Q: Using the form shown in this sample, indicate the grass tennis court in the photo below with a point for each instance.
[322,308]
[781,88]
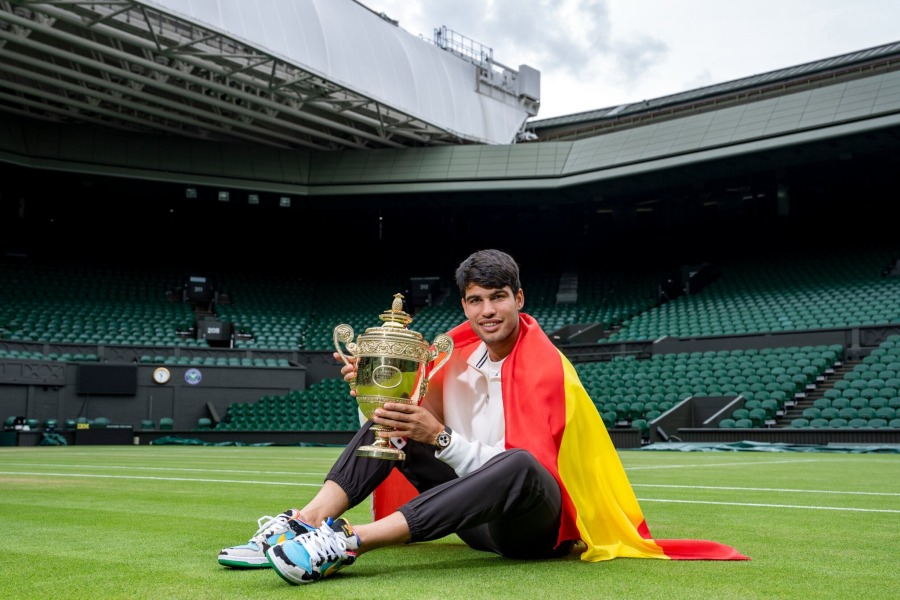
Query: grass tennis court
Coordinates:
[148,522]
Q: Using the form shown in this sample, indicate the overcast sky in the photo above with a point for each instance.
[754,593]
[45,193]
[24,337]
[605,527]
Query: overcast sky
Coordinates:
[600,53]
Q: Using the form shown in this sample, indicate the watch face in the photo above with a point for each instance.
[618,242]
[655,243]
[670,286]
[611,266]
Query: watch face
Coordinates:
[161,375]
[443,439]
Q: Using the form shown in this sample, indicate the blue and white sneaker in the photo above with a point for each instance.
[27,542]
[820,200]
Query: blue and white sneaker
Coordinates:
[272,530]
[317,554]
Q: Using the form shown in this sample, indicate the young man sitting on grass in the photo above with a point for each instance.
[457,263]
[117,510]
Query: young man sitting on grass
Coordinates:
[506,450]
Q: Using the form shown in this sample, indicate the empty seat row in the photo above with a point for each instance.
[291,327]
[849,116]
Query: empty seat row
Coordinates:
[839,422]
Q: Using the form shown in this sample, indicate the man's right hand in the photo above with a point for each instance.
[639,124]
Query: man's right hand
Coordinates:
[348,371]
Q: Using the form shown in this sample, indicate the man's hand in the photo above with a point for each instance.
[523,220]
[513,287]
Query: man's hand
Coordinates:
[348,371]
[409,421]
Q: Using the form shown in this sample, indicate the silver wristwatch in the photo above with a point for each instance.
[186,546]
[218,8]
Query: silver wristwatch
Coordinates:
[442,440]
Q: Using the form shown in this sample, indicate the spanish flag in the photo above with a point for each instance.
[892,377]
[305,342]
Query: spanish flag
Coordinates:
[549,413]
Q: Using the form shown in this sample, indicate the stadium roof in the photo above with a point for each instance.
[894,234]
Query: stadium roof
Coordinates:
[316,74]
[93,111]
[811,74]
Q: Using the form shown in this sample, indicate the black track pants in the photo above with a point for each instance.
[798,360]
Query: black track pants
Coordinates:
[510,506]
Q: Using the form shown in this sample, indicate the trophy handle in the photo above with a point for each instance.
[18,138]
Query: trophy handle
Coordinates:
[344,333]
[443,344]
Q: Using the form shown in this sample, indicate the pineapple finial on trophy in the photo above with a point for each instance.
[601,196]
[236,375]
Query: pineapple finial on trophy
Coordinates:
[396,316]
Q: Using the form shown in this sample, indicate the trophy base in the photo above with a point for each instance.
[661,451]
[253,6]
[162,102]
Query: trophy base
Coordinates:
[383,452]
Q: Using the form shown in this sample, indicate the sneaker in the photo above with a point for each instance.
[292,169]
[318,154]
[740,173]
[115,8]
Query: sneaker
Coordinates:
[272,530]
[317,554]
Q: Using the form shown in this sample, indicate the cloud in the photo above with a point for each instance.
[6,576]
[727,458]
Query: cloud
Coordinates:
[636,58]
[567,34]
[699,80]
[599,53]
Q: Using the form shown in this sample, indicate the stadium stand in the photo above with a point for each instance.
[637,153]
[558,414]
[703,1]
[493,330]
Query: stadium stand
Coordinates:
[629,391]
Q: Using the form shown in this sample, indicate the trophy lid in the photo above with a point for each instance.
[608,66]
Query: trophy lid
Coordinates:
[396,317]
[394,322]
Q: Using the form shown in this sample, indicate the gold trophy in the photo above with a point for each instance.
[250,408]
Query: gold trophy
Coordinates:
[391,364]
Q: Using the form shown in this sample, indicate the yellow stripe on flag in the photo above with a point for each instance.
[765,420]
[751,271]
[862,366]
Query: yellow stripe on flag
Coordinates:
[608,513]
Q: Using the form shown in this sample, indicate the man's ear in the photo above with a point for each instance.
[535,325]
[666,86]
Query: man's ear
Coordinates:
[520,299]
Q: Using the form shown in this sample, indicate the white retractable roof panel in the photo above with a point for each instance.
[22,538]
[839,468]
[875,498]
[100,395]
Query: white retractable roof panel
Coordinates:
[348,44]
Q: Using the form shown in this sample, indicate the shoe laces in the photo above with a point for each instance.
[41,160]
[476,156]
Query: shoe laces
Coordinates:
[323,544]
[267,525]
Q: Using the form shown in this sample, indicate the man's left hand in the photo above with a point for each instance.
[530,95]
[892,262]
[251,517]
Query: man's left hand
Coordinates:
[407,420]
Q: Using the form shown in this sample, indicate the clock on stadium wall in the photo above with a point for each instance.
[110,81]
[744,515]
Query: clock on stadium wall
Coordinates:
[161,375]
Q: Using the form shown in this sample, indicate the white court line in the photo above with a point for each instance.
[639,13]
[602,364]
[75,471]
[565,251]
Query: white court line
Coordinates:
[192,479]
[728,464]
[174,453]
[195,469]
[876,510]
[322,474]
[288,483]
[748,489]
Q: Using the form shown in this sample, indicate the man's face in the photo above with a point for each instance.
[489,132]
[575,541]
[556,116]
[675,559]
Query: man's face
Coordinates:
[494,315]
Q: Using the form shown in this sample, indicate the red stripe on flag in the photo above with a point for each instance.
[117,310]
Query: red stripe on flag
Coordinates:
[699,550]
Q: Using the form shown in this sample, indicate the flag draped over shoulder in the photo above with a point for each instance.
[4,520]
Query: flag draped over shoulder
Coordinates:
[549,413]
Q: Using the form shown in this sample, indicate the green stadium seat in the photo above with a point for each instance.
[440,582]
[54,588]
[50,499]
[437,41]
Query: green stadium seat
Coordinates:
[635,410]
[866,412]
[740,413]
[771,407]
[758,416]
[811,413]
[850,393]
[825,401]
[609,419]
[848,413]
[886,412]
[858,403]
[842,402]
[830,413]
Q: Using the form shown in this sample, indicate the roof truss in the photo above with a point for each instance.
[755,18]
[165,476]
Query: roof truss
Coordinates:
[125,65]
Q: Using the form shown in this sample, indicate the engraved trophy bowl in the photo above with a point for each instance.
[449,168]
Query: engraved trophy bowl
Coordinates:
[391,367]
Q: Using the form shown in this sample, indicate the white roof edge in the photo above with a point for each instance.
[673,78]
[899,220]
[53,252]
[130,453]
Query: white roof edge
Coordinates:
[349,44]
